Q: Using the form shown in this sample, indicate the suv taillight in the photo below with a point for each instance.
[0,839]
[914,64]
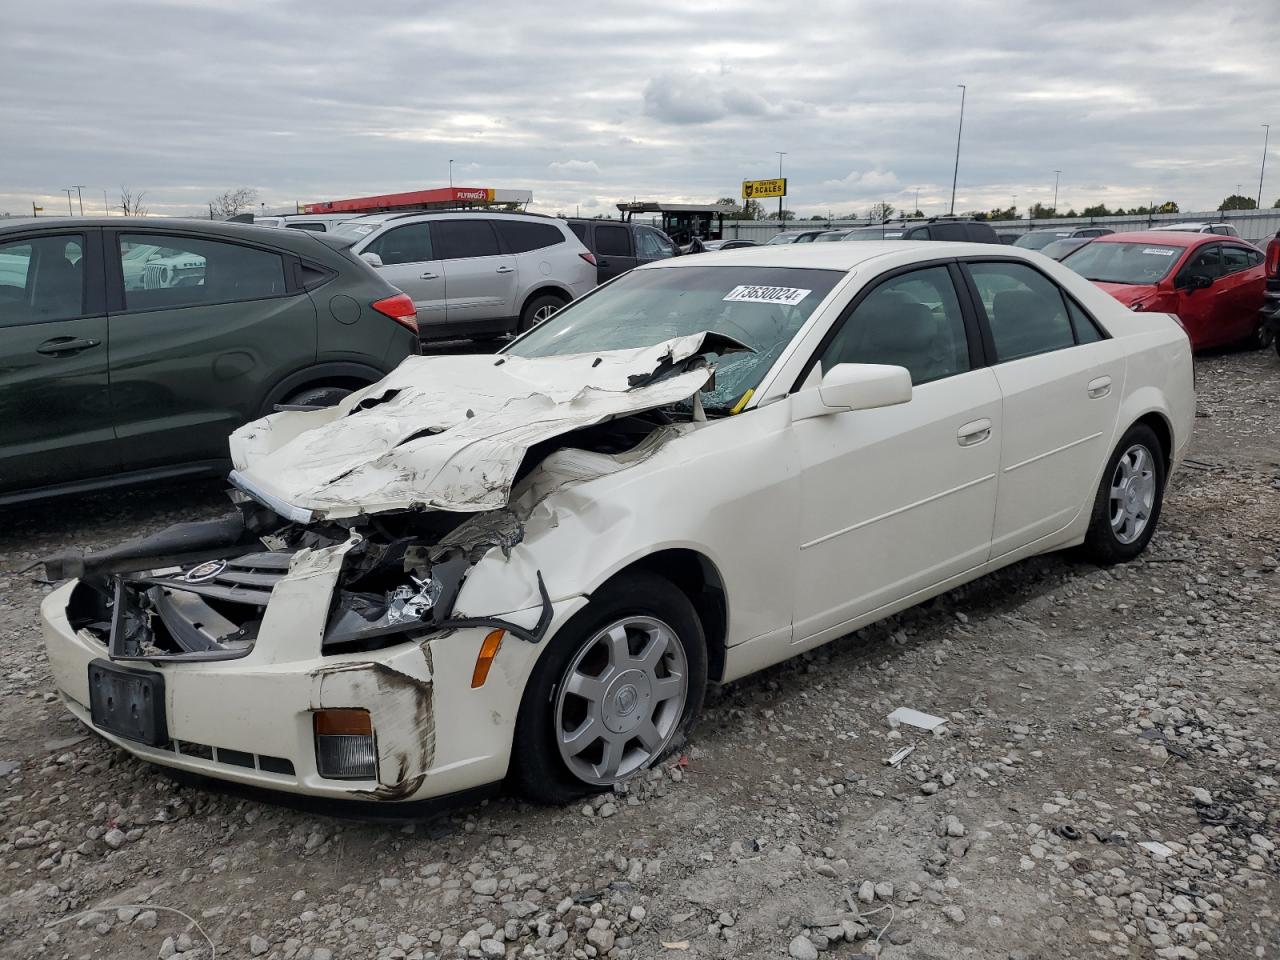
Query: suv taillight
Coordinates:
[399,308]
[589,257]
[1273,258]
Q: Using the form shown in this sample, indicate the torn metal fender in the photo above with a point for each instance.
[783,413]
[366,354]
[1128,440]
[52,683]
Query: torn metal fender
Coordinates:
[532,634]
[450,433]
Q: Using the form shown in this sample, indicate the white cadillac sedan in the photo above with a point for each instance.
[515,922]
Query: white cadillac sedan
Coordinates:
[527,567]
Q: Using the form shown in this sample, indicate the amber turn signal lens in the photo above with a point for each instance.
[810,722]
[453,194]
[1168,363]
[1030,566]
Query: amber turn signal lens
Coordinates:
[340,723]
[488,650]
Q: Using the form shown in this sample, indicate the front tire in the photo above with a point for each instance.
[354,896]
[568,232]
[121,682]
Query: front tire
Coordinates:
[1127,506]
[619,688]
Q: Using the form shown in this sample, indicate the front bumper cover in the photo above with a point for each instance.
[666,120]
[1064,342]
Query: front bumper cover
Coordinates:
[250,720]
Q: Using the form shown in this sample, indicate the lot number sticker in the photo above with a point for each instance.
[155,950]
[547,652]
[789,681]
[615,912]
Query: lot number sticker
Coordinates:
[788,296]
[1159,251]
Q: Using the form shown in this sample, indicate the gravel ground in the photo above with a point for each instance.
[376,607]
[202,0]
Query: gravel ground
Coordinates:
[1105,784]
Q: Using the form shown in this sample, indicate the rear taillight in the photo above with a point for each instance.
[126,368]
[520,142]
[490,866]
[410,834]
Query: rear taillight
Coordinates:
[399,308]
[589,257]
[1273,258]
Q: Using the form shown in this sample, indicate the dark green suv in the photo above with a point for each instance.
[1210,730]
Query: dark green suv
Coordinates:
[130,348]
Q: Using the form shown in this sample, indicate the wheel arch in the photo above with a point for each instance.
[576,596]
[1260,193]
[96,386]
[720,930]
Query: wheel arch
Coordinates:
[548,287]
[1163,430]
[697,577]
[340,373]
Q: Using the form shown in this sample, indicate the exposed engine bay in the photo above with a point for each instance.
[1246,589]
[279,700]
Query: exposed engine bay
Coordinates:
[199,591]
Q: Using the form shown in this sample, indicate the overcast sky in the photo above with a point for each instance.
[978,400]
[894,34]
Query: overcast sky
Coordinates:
[589,104]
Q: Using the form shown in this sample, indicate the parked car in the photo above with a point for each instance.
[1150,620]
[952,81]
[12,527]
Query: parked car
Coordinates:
[1039,239]
[795,236]
[1270,326]
[113,372]
[1007,238]
[528,568]
[736,244]
[622,245]
[1221,229]
[1214,285]
[832,236]
[972,231]
[475,274]
[315,222]
[1061,247]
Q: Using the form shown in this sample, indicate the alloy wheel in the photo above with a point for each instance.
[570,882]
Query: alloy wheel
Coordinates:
[621,700]
[1133,494]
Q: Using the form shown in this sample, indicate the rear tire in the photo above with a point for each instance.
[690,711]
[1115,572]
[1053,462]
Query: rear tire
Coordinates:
[596,709]
[318,396]
[1263,336]
[539,309]
[1127,506]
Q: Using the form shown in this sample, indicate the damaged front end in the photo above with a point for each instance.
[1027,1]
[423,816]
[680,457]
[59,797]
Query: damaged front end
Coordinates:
[200,591]
[411,478]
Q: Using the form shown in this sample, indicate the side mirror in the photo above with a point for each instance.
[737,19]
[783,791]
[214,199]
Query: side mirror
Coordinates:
[854,386]
[371,258]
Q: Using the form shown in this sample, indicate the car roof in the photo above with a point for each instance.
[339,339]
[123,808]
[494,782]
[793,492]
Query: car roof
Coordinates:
[1165,238]
[835,256]
[150,224]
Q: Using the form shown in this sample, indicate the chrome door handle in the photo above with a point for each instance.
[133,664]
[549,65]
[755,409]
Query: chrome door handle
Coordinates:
[429,276]
[973,432]
[1099,388]
[506,269]
[64,346]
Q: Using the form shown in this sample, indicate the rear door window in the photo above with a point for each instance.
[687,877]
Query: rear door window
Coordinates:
[1234,259]
[613,241]
[42,279]
[1025,310]
[408,244]
[464,239]
[521,237]
[188,272]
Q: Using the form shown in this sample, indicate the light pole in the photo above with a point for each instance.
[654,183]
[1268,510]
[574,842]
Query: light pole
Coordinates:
[1266,138]
[450,174]
[959,130]
[1056,174]
[77,187]
[67,191]
[916,208]
[781,154]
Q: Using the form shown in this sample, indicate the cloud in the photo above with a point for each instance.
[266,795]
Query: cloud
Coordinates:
[870,180]
[577,167]
[667,101]
[695,98]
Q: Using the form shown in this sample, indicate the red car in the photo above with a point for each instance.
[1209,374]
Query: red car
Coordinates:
[1213,284]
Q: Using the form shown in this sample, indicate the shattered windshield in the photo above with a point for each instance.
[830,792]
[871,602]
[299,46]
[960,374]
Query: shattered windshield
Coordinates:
[762,307]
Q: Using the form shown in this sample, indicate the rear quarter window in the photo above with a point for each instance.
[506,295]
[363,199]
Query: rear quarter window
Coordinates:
[521,237]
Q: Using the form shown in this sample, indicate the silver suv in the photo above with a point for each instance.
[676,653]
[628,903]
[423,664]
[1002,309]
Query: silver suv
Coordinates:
[475,274]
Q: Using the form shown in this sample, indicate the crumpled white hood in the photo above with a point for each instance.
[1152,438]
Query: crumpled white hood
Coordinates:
[449,433]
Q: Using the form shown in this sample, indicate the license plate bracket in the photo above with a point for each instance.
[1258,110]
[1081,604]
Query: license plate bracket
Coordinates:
[128,702]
